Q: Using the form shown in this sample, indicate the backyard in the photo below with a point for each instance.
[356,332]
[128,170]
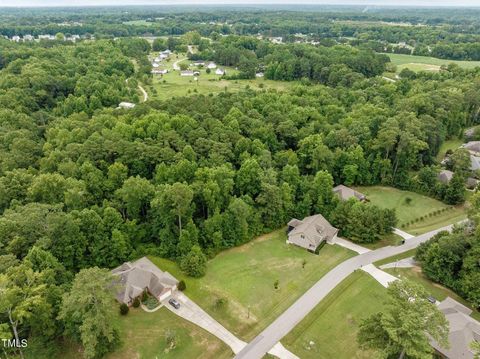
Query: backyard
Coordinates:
[238,289]
[330,330]
[416,213]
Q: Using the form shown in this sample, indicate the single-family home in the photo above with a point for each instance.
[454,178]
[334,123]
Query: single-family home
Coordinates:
[163,56]
[133,278]
[472,146]
[463,330]
[157,59]
[186,73]
[28,38]
[126,105]
[159,71]
[199,63]
[310,232]
[196,73]
[259,74]
[212,65]
[155,64]
[345,193]
[16,38]
[220,72]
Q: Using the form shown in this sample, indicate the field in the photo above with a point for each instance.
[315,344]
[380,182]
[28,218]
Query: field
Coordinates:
[424,63]
[173,85]
[419,206]
[332,326]
[143,335]
[388,240]
[245,277]
[437,290]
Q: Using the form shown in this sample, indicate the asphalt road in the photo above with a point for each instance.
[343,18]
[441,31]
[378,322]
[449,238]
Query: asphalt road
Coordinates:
[260,345]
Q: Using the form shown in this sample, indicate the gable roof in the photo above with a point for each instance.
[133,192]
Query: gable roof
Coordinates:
[134,278]
[445,176]
[463,330]
[472,146]
[346,193]
[311,231]
[474,162]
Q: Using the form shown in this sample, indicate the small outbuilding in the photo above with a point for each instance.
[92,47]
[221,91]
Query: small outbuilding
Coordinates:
[126,105]
[445,176]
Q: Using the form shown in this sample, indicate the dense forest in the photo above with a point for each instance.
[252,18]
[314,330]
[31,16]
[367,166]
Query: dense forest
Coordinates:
[84,183]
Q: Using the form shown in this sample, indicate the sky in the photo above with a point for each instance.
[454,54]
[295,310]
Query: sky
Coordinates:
[249,2]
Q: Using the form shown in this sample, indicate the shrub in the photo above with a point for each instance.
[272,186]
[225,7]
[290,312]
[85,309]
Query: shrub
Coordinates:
[181,285]
[276,284]
[144,296]
[136,303]
[220,303]
[124,309]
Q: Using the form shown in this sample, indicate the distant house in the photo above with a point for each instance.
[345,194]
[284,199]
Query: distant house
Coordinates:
[212,65]
[28,38]
[126,105]
[445,176]
[186,73]
[474,163]
[472,146]
[133,278]
[196,73]
[155,64]
[345,193]
[159,71]
[310,232]
[259,74]
[163,56]
[463,330]
[471,183]
[15,38]
[220,72]
[199,63]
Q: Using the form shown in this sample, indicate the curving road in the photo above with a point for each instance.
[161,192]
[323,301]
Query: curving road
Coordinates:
[257,348]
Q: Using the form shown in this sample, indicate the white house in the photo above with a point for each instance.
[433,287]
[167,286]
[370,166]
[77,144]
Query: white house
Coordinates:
[126,105]
[212,65]
[186,73]
[259,74]
[159,71]
[220,72]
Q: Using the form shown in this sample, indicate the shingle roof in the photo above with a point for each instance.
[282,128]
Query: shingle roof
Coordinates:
[473,146]
[445,176]
[346,193]
[134,278]
[463,330]
[311,231]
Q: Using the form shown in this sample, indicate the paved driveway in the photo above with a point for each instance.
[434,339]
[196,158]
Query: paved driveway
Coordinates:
[193,313]
[257,348]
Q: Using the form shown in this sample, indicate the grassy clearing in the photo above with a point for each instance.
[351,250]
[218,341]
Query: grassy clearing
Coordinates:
[391,239]
[440,292]
[452,144]
[332,326]
[143,335]
[397,257]
[424,63]
[420,206]
[245,276]
[172,84]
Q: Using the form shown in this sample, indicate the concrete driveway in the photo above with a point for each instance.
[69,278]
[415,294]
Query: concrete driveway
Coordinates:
[193,313]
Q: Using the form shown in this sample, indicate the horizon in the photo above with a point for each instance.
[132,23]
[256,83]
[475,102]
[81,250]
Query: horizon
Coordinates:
[226,3]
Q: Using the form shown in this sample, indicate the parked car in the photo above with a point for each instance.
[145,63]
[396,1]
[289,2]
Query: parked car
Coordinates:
[432,300]
[174,303]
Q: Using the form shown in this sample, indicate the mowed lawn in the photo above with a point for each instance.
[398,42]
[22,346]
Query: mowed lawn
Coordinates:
[452,144]
[244,276]
[419,206]
[330,330]
[172,84]
[440,292]
[425,63]
[144,336]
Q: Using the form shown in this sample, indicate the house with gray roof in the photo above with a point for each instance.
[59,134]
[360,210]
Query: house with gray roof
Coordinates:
[345,193]
[463,330]
[133,278]
[445,176]
[310,232]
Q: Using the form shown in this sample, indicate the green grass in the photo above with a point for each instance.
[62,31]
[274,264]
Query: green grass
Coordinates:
[424,63]
[143,335]
[391,239]
[176,85]
[245,276]
[334,322]
[452,144]
[420,206]
[437,290]
[397,257]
